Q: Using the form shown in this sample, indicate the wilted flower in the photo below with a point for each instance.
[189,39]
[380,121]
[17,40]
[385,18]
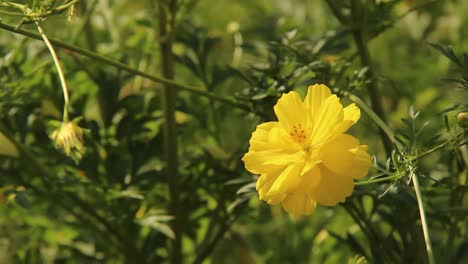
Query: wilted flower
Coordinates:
[69,138]
[305,157]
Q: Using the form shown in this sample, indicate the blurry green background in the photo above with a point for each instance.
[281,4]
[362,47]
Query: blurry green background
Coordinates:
[112,206]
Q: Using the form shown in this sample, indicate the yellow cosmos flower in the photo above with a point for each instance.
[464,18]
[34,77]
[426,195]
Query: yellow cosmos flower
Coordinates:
[305,158]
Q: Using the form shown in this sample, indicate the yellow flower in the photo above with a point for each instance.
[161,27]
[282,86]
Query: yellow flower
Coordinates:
[305,158]
[463,119]
[69,138]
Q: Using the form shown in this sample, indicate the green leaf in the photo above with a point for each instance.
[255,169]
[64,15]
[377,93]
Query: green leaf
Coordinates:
[153,164]
[156,222]
[132,193]
[447,52]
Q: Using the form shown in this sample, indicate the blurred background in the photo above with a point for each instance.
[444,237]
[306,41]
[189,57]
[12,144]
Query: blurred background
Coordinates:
[116,203]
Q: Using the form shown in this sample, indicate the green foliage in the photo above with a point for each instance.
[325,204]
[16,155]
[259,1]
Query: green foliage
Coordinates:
[115,202]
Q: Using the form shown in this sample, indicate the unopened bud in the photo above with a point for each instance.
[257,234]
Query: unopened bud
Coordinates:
[69,138]
[463,119]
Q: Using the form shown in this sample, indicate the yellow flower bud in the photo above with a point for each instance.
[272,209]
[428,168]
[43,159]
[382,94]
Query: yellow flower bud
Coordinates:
[69,138]
[463,119]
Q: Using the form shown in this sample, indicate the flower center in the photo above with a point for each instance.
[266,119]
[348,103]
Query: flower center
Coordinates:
[298,133]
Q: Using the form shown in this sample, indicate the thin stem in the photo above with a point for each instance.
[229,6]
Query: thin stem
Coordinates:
[388,178]
[440,146]
[359,20]
[375,117]
[122,66]
[59,70]
[423,218]
[14,5]
[166,23]
[11,13]
[65,6]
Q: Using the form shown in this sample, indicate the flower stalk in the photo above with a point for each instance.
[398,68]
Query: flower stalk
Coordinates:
[383,179]
[422,215]
[59,70]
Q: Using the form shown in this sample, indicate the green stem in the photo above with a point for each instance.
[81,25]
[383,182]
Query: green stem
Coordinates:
[114,63]
[375,117]
[359,19]
[15,5]
[440,146]
[388,178]
[59,70]
[166,23]
[65,6]
[11,13]
[423,218]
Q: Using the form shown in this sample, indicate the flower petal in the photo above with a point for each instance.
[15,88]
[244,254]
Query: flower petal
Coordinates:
[298,204]
[300,201]
[333,188]
[269,148]
[290,110]
[288,180]
[361,163]
[329,117]
[336,154]
[316,95]
[309,180]
[263,186]
[351,115]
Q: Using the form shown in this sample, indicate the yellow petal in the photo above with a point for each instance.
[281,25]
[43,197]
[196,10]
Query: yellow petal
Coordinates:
[269,148]
[290,110]
[361,163]
[316,95]
[351,115]
[259,162]
[328,118]
[289,179]
[261,138]
[300,201]
[336,154]
[263,186]
[281,159]
[309,180]
[254,162]
[298,204]
[333,188]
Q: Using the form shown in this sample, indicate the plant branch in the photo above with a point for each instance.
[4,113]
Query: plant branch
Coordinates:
[11,13]
[422,215]
[388,178]
[440,146]
[360,35]
[125,67]
[65,6]
[169,96]
[374,116]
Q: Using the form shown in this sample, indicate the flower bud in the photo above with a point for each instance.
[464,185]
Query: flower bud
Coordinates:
[463,119]
[69,138]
